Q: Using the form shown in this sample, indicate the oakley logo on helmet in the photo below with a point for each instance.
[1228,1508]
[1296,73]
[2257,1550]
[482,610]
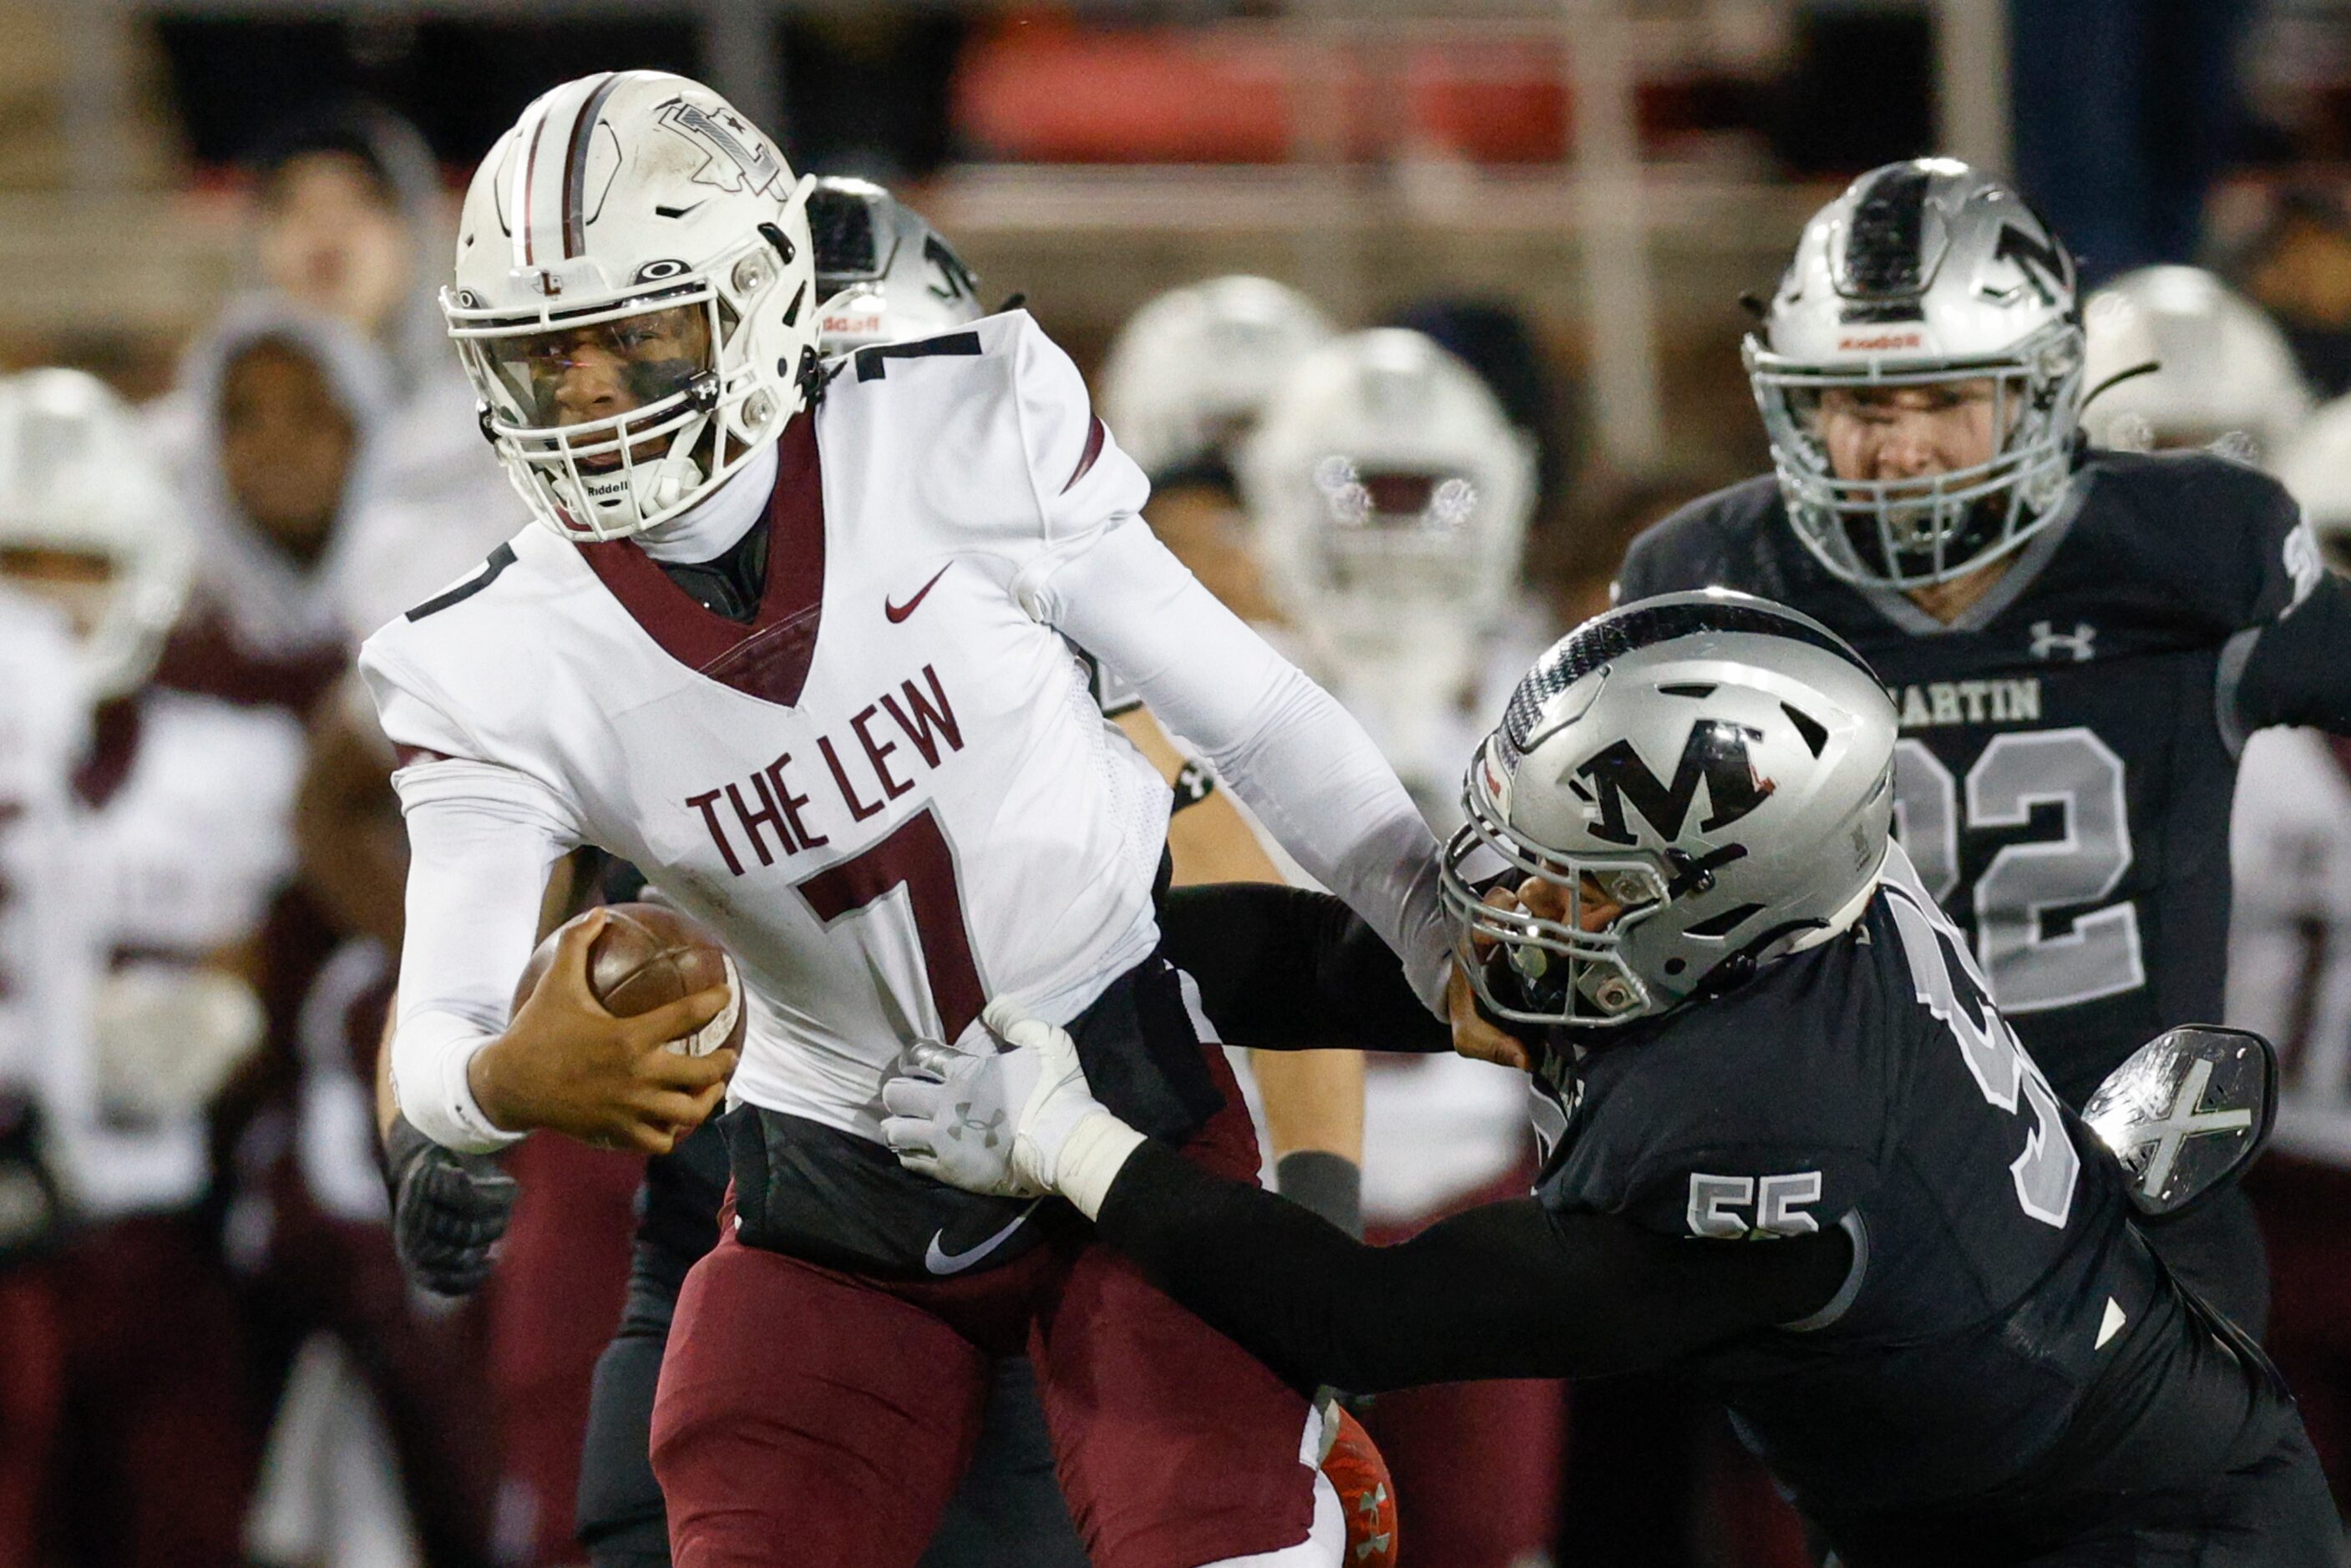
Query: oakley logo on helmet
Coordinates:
[1715,753]
[2045,264]
[654,271]
[750,163]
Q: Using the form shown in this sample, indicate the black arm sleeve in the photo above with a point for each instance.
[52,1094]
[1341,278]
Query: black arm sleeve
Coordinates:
[2297,669]
[1509,1289]
[1287,970]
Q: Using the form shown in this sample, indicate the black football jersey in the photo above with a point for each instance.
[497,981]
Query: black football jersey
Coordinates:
[2067,759]
[1866,1083]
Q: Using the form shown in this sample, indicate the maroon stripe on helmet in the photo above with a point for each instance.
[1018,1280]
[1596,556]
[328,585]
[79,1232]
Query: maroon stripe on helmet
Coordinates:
[1094,435]
[575,166]
[530,177]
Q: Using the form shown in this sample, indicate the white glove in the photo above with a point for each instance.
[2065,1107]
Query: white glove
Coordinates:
[169,1036]
[1018,1123]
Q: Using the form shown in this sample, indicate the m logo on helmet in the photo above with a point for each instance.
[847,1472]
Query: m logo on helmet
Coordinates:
[1716,755]
[2045,266]
[738,157]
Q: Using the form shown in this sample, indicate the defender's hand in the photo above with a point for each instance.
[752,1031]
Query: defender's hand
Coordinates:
[1473,1036]
[566,1062]
[991,1124]
[448,1210]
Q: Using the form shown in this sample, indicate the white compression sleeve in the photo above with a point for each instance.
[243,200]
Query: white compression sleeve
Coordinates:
[478,871]
[1304,764]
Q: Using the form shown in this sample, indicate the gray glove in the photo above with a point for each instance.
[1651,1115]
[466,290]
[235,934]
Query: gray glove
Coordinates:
[448,1210]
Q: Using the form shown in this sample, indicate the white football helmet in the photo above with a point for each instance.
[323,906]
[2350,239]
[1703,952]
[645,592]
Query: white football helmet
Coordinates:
[1390,496]
[1924,273]
[884,275]
[1189,372]
[88,519]
[1594,783]
[2316,467]
[635,298]
[2225,374]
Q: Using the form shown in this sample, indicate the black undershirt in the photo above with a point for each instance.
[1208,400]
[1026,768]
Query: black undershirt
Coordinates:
[1507,1290]
[729,584]
[2295,672]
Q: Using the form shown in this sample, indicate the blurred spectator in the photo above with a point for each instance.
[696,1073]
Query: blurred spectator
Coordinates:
[274,434]
[2298,268]
[2125,110]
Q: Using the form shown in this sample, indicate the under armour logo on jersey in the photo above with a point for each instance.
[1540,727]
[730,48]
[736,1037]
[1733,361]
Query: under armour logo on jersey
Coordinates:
[1716,752]
[2048,641]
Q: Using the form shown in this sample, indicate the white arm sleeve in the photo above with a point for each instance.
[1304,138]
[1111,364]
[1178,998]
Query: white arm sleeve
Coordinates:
[1300,760]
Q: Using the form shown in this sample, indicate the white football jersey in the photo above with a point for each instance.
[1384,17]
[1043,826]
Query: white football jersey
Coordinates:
[2290,928]
[892,793]
[186,834]
[49,950]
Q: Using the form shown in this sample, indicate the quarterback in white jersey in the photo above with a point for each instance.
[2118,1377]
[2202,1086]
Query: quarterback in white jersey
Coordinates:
[797,640]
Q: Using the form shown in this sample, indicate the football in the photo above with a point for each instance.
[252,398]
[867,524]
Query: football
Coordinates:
[647,956]
[1358,1473]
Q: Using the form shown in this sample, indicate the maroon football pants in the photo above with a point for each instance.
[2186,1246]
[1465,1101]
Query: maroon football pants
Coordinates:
[810,1415]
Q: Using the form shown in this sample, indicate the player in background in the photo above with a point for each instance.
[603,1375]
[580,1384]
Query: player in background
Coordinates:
[2078,641]
[2290,977]
[1188,375]
[182,806]
[47,960]
[1389,498]
[2185,361]
[928,521]
[1793,1148]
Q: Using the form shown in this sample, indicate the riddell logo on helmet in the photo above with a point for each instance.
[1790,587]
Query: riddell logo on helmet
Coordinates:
[1877,343]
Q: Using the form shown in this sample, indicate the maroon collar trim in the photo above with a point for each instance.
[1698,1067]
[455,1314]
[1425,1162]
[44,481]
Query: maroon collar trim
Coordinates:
[769,659]
[115,729]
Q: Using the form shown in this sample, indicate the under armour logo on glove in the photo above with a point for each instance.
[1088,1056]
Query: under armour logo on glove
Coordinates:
[987,1127]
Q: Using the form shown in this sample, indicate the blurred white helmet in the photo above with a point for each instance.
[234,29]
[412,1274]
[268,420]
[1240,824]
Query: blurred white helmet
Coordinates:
[2316,467]
[2226,374]
[88,520]
[1929,275]
[632,221]
[1391,496]
[884,274]
[1189,372]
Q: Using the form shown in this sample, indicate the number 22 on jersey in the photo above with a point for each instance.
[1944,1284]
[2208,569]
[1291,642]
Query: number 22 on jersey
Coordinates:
[1948,987]
[2099,954]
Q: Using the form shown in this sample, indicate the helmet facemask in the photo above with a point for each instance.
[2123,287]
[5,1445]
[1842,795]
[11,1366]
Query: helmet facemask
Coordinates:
[1552,971]
[679,354]
[1908,533]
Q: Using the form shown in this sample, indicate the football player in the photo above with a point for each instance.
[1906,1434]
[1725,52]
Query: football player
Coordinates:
[2077,641]
[1389,497]
[47,958]
[795,638]
[1793,1148]
[184,805]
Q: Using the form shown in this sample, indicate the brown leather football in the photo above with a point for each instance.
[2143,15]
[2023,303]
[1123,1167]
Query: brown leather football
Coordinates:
[647,956]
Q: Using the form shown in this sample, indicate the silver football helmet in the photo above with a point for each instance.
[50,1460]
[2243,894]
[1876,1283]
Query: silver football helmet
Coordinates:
[1189,372]
[2224,376]
[88,518]
[1391,496]
[635,299]
[1923,275]
[884,274]
[1593,783]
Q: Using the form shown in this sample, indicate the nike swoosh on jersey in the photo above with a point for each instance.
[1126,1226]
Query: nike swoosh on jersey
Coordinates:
[939,1261]
[900,612]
